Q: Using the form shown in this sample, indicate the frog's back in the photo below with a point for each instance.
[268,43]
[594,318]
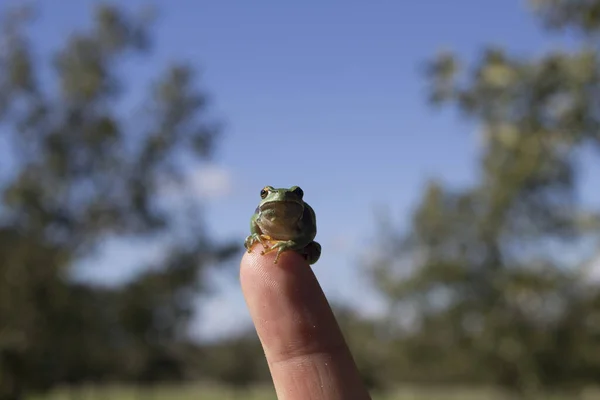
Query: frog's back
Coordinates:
[309,219]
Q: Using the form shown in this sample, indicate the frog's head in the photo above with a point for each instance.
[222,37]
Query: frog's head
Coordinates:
[285,205]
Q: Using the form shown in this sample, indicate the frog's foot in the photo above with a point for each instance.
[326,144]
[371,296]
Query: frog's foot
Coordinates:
[265,238]
[253,239]
[312,252]
[280,247]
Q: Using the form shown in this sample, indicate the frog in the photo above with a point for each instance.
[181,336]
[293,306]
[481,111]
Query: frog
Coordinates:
[283,221]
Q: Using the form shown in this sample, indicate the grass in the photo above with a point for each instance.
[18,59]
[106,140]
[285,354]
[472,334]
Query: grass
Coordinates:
[209,392]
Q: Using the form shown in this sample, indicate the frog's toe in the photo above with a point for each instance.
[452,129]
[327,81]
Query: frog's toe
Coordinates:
[264,240]
[252,240]
[285,246]
[269,249]
[248,244]
[280,247]
[266,237]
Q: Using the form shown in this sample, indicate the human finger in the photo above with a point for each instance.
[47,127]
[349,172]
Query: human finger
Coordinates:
[307,354]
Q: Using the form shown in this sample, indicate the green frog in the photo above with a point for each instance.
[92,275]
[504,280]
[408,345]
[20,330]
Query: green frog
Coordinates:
[284,221]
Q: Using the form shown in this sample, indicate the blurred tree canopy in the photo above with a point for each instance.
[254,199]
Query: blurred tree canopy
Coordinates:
[79,167]
[481,269]
[479,288]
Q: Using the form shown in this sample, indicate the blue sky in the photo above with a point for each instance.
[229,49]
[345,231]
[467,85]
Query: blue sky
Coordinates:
[326,95]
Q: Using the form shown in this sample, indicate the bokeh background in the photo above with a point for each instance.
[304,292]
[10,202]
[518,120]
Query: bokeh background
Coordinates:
[450,150]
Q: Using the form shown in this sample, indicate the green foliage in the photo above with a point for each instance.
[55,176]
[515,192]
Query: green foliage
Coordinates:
[81,164]
[84,169]
[210,392]
[478,290]
[237,362]
[481,268]
[368,346]
[580,15]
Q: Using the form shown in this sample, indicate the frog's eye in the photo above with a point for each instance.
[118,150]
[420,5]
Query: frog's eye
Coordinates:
[263,193]
[297,191]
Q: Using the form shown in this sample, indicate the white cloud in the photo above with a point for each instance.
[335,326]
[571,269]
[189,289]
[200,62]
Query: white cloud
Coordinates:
[593,271]
[210,182]
[207,182]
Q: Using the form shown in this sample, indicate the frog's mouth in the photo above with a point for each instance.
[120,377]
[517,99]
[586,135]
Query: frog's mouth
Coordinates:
[282,211]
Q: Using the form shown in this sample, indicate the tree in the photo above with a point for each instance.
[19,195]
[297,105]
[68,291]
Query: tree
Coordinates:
[238,362]
[79,166]
[482,266]
[368,345]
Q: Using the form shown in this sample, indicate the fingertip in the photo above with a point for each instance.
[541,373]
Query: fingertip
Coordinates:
[305,349]
[255,258]
[258,271]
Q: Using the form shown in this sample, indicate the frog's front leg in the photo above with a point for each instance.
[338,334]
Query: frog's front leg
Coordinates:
[311,252]
[280,246]
[252,239]
[255,236]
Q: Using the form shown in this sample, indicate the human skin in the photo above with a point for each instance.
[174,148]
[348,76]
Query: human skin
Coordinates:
[306,352]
